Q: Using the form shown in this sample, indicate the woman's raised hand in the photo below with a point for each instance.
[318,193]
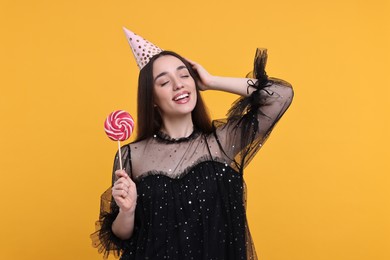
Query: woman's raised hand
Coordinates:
[124,192]
[206,78]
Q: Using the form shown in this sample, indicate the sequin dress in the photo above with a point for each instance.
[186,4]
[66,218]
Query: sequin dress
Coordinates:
[191,191]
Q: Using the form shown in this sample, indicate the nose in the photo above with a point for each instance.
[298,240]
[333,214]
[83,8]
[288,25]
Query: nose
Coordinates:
[177,84]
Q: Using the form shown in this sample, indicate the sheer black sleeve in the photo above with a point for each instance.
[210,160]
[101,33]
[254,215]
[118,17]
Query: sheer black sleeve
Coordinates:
[103,238]
[251,119]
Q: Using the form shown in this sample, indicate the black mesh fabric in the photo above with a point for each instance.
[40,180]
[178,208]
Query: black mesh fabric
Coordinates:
[191,191]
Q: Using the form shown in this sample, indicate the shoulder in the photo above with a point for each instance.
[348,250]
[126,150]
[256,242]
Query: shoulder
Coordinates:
[139,147]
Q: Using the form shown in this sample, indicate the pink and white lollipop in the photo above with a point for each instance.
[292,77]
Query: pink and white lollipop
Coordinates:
[119,126]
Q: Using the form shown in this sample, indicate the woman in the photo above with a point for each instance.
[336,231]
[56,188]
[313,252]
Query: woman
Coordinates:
[181,194]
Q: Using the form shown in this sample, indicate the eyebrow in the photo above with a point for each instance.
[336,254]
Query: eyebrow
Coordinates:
[164,73]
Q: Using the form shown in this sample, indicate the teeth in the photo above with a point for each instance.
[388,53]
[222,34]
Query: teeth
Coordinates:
[181,96]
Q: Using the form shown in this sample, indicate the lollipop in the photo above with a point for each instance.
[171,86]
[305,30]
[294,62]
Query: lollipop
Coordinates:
[119,126]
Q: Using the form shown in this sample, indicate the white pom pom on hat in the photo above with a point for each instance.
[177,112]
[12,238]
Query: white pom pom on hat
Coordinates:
[143,50]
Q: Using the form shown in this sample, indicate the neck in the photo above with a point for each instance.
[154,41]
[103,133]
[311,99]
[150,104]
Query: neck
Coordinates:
[178,127]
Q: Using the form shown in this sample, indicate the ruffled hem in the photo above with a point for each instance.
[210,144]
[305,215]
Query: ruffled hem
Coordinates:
[245,113]
[246,107]
[103,238]
[163,137]
[245,110]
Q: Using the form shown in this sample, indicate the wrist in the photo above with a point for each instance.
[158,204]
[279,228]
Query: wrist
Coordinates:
[127,212]
[212,84]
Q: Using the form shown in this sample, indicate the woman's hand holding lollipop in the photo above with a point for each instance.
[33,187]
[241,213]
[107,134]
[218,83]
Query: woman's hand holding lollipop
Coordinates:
[124,192]
[119,126]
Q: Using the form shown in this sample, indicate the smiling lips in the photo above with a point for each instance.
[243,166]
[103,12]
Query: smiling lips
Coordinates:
[182,97]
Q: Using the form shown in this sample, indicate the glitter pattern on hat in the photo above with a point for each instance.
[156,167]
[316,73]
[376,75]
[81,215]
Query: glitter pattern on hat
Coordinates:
[143,50]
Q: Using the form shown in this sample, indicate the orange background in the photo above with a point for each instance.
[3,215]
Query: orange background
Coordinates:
[319,189]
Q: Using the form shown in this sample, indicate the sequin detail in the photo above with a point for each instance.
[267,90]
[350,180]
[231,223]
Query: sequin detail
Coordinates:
[191,192]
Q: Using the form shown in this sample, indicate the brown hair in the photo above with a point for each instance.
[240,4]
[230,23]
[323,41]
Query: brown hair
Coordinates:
[149,119]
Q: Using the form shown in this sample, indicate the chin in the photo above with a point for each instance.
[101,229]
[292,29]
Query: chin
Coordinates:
[186,111]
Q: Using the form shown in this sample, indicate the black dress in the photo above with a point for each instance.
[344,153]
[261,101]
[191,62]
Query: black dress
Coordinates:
[191,192]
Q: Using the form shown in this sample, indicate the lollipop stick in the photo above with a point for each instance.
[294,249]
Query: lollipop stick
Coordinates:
[120,154]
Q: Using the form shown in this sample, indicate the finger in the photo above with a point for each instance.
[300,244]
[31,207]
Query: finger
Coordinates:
[118,184]
[119,193]
[192,63]
[120,173]
[131,183]
[123,179]
[124,193]
[121,186]
[119,201]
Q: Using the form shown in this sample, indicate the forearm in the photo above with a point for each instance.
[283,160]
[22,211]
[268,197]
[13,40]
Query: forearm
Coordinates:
[244,87]
[239,86]
[123,225]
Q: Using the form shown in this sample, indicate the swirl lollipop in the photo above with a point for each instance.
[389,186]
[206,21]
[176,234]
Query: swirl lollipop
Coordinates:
[119,126]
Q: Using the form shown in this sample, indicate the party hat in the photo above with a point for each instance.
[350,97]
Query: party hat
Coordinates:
[143,50]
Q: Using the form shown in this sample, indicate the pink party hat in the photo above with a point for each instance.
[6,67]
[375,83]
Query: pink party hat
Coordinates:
[143,50]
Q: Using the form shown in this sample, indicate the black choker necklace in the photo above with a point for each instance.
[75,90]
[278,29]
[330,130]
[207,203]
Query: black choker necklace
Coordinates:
[163,136]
